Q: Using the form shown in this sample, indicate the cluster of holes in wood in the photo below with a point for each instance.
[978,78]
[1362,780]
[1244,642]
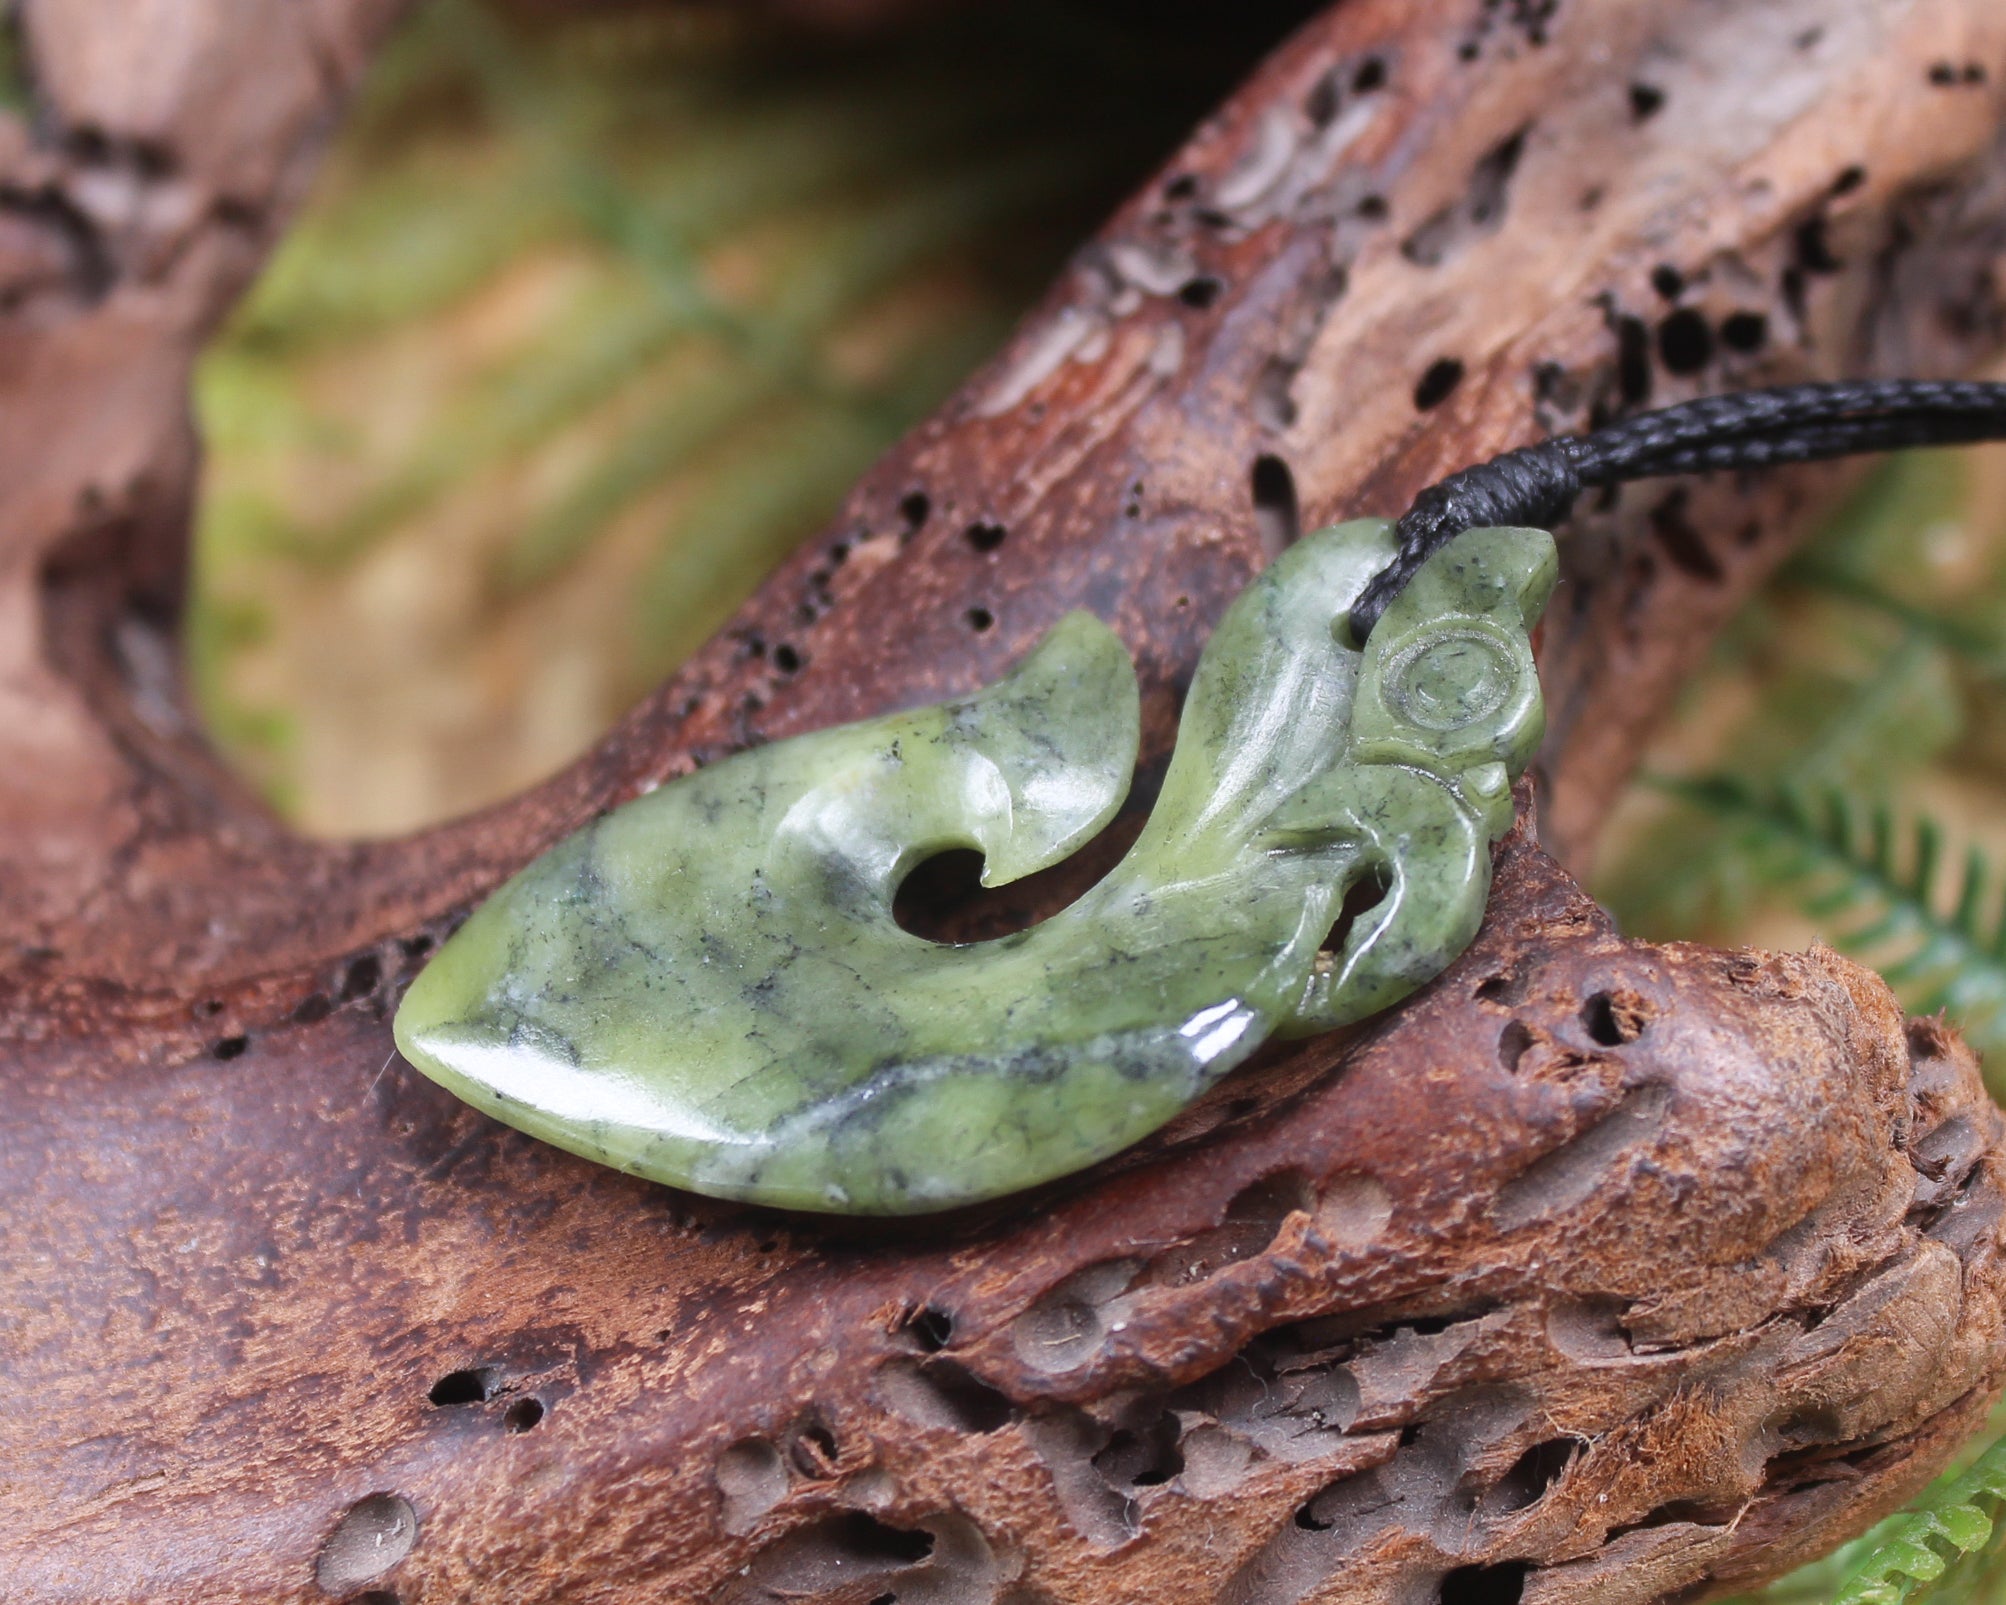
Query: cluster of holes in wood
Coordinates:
[1517,22]
[1294,1392]
[1957,75]
[1285,1393]
[370,980]
[1687,340]
[983,537]
[1184,194]
[788,657]
[486,1384]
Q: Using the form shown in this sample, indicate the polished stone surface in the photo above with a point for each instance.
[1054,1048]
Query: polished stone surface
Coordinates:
[707,986]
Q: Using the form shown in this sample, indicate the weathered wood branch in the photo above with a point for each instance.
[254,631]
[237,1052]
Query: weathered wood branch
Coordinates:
[1601,1271]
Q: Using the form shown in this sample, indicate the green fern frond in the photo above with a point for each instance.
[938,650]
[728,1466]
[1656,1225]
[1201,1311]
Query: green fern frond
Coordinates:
[1898,707]
[1867,559]
[1875,881]
[1853,714]
[1875,533]
[1932,1549]
[1978,644]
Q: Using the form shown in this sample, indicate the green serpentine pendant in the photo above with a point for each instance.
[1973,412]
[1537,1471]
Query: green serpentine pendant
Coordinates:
[707,987]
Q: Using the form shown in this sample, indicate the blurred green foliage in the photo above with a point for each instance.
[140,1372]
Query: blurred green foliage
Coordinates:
[597,313]
[1875,884]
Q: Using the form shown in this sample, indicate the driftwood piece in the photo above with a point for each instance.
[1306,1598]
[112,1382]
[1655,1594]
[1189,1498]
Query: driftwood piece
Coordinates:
[1600,1271]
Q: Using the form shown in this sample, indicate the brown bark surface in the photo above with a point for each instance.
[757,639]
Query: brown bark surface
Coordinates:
[1598,1272]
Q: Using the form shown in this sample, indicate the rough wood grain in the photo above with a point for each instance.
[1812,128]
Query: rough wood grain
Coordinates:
[1600,1272]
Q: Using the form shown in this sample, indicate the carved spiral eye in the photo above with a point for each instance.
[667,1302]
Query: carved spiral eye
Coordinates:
[1452,681]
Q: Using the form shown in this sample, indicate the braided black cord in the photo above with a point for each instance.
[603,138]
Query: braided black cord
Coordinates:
[1538,485]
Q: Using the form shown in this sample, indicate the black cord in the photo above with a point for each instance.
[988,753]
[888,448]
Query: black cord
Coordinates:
[1538,485]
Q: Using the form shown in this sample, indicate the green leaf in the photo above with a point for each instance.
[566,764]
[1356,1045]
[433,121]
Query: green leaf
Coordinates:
[1939,1548]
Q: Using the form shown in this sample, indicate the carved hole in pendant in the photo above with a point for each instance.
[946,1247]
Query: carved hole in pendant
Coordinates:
[942,898]
[1513,1043]
[522,1416]
[979,619]
[1361,897]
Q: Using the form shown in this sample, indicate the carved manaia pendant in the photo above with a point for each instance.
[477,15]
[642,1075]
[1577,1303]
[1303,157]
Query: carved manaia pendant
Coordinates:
[707,986]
